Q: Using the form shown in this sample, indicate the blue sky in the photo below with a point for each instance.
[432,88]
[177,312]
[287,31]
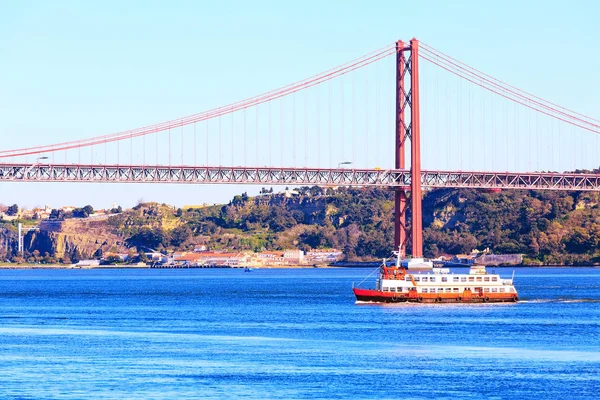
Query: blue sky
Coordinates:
[72,69]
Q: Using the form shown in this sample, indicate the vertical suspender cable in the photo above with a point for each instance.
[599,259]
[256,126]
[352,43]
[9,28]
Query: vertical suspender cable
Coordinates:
[305,129]
[516,166]
[353,118]
[256,134]
[342,117]
[329,130]
[377,112]
[493,111]
[367,116]
[281,131]
[537,135]
[437,119]
[459,125]
[530,137]
[447,135]
[294,130]
[483,129]
[270,137]
[318,127]
[207,163]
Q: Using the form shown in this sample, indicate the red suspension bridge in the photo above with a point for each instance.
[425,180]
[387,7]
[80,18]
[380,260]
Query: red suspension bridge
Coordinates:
[334,129]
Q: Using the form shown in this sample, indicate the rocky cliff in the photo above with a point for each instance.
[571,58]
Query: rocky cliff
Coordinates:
[81,237]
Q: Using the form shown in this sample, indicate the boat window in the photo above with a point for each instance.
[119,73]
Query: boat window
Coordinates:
[444,279]
[512,290]
[463,279]
[448,290]
[478,279]
[455,289]
[385,289]
[471,279]
[494,279]
[424,279]
[424,290]
[455,279]
[407,278]
[487,290]
[501,290]
[399,289]
[417,279]
[486,279]
[392,289]
[432,290]
[494,290]
[432,279]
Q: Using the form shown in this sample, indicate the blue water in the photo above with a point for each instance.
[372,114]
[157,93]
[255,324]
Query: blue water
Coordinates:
[290,334]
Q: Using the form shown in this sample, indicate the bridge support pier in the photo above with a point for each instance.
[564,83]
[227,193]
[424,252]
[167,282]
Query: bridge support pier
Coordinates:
[408,130]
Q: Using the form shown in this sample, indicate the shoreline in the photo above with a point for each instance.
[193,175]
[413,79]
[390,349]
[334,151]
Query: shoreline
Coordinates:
[60,266]
[325,266]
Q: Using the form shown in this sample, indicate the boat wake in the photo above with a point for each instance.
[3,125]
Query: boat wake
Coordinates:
[538,301]
[560,301]
[579,300]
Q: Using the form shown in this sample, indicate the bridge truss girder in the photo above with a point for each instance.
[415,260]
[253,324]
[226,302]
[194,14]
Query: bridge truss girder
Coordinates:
[393,178]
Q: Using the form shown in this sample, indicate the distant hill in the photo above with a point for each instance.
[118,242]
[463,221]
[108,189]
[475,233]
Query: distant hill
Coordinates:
[546,227]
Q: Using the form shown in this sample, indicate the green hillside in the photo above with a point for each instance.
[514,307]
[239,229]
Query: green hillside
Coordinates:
[547,227]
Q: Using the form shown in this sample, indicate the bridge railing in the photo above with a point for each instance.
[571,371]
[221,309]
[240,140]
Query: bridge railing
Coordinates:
[296,176]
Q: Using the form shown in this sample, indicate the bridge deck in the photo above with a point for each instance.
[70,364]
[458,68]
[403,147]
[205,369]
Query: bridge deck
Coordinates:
[294,176]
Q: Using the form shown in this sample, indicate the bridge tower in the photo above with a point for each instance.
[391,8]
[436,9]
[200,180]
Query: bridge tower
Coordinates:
[407,105]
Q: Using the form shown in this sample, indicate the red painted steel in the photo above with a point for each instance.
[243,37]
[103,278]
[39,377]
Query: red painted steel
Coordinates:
[415,142]
[19,172]
[403,131]
[400,231]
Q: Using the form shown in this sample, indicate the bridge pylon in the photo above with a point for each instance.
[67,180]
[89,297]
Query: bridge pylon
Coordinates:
[407,105]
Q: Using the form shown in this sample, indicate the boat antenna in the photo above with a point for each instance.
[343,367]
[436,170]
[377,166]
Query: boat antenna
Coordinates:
[367,277]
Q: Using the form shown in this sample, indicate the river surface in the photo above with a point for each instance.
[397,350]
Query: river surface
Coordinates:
[290,334]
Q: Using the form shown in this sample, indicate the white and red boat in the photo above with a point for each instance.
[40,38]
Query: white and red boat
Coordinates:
[416,280]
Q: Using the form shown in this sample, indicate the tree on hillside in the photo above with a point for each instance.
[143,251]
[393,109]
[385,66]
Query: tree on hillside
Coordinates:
[316,191]
[149,238]
[142,256]
[83,212]
[180,235]
[57,215]
[113,259]
[12,210]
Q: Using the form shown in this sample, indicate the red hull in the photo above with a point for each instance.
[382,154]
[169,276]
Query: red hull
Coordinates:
[377,296]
